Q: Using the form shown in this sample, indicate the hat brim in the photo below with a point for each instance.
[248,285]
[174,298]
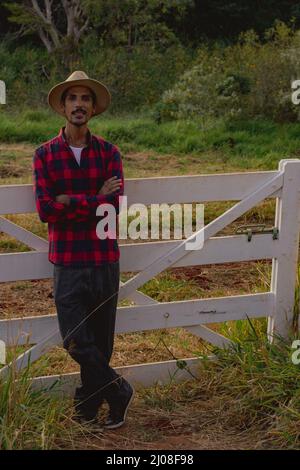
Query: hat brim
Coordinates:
[103,97]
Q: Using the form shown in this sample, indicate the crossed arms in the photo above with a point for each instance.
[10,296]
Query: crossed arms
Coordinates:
[54,208]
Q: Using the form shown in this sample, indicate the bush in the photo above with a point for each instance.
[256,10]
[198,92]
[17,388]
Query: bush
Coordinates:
[136,78]
[250,78]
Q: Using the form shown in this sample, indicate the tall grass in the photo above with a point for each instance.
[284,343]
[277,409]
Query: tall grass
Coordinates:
[258,381]
[261,385]
[32,419]
[253,143]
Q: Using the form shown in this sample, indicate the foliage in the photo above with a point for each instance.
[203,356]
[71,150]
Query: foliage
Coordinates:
[250,78]
[207,89]
[30,419]
[134,22]
[134,82]
[59,24]
[260,382]
[201,19]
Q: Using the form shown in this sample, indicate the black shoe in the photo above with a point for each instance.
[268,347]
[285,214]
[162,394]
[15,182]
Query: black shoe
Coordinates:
[91,424]
[119,406]
[87,405]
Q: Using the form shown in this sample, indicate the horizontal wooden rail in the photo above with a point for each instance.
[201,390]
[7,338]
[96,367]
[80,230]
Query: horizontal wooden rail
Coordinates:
[145,375]
[31,330]
[137,256]
[19,199]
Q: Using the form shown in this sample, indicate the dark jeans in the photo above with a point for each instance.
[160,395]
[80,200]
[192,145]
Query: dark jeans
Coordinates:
[89,339]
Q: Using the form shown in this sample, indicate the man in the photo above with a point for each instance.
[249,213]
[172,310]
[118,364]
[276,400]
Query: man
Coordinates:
[74,173]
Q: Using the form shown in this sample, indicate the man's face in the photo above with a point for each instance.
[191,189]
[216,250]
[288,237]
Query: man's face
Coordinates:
[78,106]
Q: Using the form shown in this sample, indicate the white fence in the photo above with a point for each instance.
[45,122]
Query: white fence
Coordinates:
[150,259]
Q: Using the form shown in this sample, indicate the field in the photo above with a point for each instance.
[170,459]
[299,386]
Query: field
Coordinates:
[248,398]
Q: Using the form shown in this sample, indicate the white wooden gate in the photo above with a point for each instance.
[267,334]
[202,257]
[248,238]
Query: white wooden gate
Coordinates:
[150,259]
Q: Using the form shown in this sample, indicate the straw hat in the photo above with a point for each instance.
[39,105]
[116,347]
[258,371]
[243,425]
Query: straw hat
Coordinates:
[79,78]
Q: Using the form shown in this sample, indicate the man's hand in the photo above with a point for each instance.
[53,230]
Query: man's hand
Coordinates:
[63,198]
[110,186]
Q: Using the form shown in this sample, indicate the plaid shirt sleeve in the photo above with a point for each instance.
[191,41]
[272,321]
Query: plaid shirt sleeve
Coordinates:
[87,205]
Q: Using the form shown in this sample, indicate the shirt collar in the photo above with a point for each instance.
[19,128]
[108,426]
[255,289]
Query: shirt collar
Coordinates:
[62,135]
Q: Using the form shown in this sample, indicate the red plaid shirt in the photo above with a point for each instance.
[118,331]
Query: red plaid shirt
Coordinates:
[72,229]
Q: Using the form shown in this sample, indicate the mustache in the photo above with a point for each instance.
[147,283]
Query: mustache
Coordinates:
[79,110]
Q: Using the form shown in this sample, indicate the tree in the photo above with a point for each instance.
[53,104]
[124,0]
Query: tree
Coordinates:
[132,22]
[60,24]
[225,20]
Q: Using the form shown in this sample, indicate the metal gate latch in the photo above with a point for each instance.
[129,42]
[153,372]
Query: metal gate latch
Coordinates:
[249,230]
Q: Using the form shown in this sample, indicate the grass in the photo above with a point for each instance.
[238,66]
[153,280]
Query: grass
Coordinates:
[29,420]
[244,144]
[260,384]
[248,397]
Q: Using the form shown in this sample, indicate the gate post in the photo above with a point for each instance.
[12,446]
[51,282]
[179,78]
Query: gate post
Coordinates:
[284,267]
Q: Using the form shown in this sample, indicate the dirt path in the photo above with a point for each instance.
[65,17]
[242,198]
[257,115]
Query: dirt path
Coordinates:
[201,424]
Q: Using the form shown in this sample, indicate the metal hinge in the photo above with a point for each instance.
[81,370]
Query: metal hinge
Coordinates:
[249,230]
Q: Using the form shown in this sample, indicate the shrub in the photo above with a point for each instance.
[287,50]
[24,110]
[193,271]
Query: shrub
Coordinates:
[250,78]
[136,78]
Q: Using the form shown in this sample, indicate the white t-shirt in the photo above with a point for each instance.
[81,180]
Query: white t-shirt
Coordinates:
[77,153]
